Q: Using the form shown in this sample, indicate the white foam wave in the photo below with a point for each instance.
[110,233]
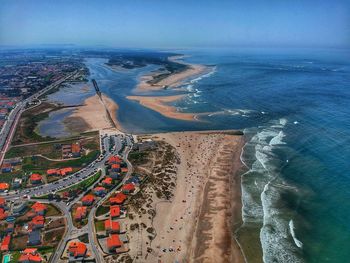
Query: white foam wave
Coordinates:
[297,242]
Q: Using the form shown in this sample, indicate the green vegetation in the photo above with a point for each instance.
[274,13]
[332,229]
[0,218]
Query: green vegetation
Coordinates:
[84,238]
[52,210]
[100,226]
[138,158]
[83,184]
[15,255]
[101,210]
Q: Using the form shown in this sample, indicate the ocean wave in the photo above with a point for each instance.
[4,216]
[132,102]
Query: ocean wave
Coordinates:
[297,242]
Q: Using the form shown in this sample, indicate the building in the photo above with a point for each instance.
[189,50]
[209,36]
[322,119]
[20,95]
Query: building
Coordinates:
[115,175]
[19,207]
[4,187]
[114,211]
[59,172]
[118,199]
[107,182]
[39,208]
[5,244]
[113,242]
[88,200]
[30,255]
[112,227]
[115,167]
[128,188]
[36,179]
[6,168]
[115,159]
[37,222]
[2,202]
[13,161]
[34,238]
[100,191]
[77,249]
[3,214]
[17,183]
[76,150]
[80,213]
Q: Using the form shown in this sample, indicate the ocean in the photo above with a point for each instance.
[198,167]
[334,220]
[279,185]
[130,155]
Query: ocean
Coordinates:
[293,106]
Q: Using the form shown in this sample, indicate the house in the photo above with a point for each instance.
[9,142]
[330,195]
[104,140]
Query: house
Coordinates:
[36,179]
[6,168]
[76,150]
[77,249]
[4,187]
[65,171]
[114,211]
[100,191]
[87,200]
[39,208]
[113,242]
[112,227]
[115,175]
[5,244]
[2,202]
[34,238]
[38,222]
[80,213]
[115,167]
[52,172]
[17,183]
[10,227]
[118,199]
[19,207]
[124,169]
[13,161]
[3,214]
[108,181]
[114,160]
[128,188]
[30,255]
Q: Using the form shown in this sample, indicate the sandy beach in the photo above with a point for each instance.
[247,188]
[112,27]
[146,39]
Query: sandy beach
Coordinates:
[161,105]
[173,80]
[93,114]
[199,222]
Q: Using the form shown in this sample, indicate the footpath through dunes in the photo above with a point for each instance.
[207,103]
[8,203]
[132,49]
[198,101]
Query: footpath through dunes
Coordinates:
[200,220]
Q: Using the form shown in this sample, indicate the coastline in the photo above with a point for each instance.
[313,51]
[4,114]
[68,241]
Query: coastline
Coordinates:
[93,115]
[161,105]
[205,212]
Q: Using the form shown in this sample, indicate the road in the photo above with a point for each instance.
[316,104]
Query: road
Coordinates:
[9,127]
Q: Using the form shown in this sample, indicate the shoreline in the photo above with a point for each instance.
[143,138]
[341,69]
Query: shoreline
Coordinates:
[94,114]
[206,211]
[161,105]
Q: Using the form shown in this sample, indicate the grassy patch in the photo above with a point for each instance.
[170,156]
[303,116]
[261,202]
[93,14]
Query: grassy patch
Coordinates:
[83,184]
[101,210]
[52,210]
[100,226]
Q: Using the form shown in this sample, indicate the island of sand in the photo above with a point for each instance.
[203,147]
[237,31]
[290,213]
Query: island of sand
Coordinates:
[190,206]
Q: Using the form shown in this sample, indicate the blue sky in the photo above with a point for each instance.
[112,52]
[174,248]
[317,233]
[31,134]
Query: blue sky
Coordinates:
[166,23]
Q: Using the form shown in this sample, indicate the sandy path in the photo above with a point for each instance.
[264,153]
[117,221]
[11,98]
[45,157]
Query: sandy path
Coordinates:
[94,113]
[198,223]
[160,104]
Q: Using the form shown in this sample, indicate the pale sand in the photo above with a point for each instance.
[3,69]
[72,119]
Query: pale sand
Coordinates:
[173,80]
[160,104]
[206,209]
[95,115]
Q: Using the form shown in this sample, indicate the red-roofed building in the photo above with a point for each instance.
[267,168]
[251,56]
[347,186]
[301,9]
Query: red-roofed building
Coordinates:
[2,202]
[76,149]
[124,170]
[4,187]
[52,172]
[6,168]
[118,199]
[114,159]
[30,255]
[39,208]
[112,227]
[38,222]
[77,249]
[88,200]
[3,214]
[65,171]
[108,181]
[35,179]
[113,242]
[5,244]
[80,213]
[128,188]
[114,211]
[100,191]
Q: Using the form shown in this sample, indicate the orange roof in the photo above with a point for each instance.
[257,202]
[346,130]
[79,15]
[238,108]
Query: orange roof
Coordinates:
[30,251]
[128,187]
[113,241]
[77,249]
[116,166]
[114,211]
[80,212]
[39,207]
[88,199]
[52,171]
[38,220]
[66,170]
[114,159]
[30,258]
[4,186]
[75,148]
[112,225]
[124,170]
[118,199]
[99,188]
[107,180]
[35,177]
[3,214]
[2,201]
[5,243]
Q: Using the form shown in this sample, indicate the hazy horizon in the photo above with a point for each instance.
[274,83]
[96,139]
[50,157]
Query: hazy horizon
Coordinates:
[159,24]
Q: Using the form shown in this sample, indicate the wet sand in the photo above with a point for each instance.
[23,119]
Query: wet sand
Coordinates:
[199,223]
[93,115]
[161,104]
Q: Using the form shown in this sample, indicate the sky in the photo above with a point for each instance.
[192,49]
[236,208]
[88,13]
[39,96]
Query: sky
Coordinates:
[176,23]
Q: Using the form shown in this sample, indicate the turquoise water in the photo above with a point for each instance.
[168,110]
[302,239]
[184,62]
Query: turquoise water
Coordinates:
[293,106]
[7,258]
